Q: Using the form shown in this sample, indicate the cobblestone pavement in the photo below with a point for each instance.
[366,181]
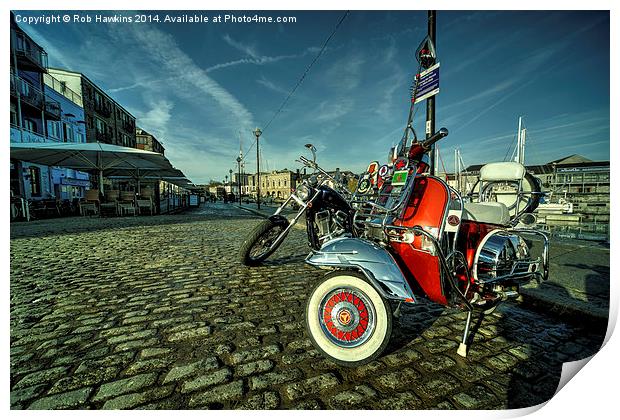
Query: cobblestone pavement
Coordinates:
[156,313]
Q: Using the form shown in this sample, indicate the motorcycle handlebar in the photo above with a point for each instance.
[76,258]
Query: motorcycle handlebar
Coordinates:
[443,132]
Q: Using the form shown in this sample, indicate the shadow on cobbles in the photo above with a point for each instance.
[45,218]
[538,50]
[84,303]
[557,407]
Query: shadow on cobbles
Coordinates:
[534,363]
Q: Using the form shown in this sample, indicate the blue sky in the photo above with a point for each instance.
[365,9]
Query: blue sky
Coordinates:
[200,87]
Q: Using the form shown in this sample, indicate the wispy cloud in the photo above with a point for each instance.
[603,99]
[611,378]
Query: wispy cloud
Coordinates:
[248,50]
[272,86]
[163,49]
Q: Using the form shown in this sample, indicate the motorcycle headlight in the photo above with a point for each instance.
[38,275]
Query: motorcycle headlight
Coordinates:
[303,192]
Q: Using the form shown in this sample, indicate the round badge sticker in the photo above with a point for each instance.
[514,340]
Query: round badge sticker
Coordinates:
[384,171]
[363,186]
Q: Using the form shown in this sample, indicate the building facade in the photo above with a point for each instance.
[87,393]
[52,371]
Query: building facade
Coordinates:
[106,120]
[146,141]
[40,114]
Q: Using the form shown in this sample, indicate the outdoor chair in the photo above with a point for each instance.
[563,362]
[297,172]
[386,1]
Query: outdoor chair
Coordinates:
[111,204]
[90,203]
[144,204]
[126,203]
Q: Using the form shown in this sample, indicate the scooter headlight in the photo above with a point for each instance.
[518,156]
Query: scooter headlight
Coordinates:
[303,192]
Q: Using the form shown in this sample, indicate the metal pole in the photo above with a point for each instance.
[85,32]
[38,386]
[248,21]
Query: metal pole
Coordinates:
[239,179]
[257,133]
[430,102]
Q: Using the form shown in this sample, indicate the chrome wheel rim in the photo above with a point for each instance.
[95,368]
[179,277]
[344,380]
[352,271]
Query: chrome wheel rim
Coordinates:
[265,242]
[347,317]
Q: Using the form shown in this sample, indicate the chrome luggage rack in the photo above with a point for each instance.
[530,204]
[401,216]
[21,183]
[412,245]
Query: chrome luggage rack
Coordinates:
[376,212]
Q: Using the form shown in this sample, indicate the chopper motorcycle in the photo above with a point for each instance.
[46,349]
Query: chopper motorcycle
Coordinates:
[416,235]
[323,200]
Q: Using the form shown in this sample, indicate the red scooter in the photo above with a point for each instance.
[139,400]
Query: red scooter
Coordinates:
[412,231]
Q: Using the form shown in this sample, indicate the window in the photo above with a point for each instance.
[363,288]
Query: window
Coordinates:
[13,115]
[68,132]
[35,181]
[53,129]
[30,125]
[100,125]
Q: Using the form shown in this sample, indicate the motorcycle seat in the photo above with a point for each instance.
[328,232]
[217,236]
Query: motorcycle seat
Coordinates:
[487,212]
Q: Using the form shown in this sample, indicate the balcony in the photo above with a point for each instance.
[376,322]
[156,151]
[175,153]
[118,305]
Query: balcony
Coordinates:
[129,126]
[103,110]
[29,55]
[25,136]
[52,109]
[34,97]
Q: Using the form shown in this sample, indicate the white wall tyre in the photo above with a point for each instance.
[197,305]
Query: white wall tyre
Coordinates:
[347,320]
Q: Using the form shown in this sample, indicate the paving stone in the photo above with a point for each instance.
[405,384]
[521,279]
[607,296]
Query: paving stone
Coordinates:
[266,401]
[254,368]
[133,400]
[42,376]
[72,399]
[80,380]
[401,401]
[435,387]
[400,379]
[401,358]
[184,371]
[190,334]
[154,352]
[437,363]
[275,378]
[249,355]
[353,398]
[205,381]
[147,365]
[22,395]
[222,393]
[311,386]
[123,386]
[476,398]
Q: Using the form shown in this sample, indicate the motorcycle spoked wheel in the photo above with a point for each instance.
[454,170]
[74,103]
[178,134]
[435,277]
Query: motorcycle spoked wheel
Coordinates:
[261,242]
[347,320]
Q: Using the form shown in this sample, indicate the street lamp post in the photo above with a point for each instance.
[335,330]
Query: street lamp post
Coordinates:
[239,179]
[230,171]
[257,133]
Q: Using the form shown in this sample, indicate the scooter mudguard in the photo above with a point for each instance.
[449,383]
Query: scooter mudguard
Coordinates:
[373,261]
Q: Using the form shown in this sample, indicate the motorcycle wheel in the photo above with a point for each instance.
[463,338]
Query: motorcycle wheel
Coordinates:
[347,320]
[261,242]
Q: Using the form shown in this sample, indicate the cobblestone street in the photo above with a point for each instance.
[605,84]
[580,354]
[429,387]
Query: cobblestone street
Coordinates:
[156,313]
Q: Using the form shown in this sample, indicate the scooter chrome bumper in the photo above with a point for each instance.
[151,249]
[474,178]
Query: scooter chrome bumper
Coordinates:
[373,261]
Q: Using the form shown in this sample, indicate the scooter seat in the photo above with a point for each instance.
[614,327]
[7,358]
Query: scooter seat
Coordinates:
[488,212]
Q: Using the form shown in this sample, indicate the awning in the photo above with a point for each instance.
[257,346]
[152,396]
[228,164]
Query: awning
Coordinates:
[105,159]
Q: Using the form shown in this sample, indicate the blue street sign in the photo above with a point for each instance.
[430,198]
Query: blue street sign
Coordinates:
[428,83]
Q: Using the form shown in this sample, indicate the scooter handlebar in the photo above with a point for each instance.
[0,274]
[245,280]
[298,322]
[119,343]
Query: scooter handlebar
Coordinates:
[443,132]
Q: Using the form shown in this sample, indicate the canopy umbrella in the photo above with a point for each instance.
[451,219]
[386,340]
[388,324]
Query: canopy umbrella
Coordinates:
[96,157]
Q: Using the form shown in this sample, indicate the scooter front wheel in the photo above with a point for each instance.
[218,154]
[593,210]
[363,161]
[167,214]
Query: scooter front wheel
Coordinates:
[347,320]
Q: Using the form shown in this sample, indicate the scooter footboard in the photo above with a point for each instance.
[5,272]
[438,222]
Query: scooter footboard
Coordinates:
[373,261]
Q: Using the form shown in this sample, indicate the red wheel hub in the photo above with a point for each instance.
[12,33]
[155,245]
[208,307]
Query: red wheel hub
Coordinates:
[346,317]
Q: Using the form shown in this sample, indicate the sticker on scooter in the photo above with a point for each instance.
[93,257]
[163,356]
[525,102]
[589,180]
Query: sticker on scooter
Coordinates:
[373,167]
[384,172]
[400,164]
[400,177]
[364,186]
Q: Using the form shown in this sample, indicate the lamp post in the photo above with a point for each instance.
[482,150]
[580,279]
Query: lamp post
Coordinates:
[230,171]
[239,179]
[257,133]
